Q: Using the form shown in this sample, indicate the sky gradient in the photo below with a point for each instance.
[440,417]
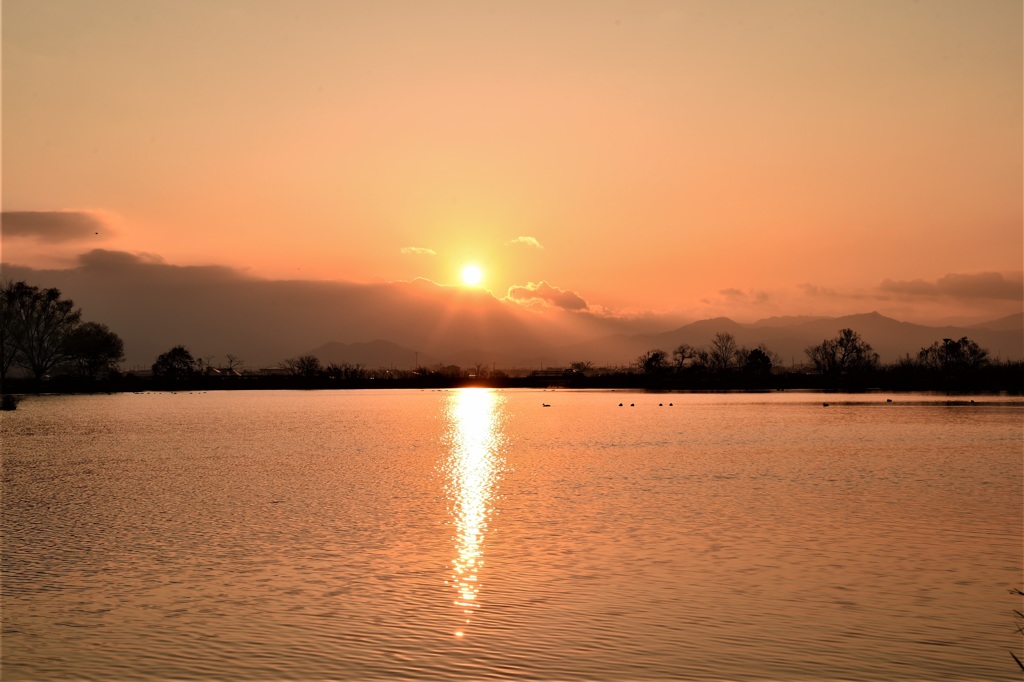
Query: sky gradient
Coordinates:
[696,159]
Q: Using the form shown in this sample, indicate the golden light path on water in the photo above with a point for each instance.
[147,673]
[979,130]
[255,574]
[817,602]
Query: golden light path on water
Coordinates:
[474,438]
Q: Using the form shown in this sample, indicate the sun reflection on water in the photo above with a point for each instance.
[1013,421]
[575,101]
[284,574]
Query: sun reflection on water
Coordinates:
[474,439]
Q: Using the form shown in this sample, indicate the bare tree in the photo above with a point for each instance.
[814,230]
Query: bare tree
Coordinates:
[844,354]
[701,359]
[306,366]
[723,352]
[681,354]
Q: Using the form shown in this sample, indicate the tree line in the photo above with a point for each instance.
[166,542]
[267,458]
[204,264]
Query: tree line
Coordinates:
[843,361]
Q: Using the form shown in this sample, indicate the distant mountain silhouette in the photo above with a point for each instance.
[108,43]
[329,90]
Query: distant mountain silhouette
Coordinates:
[215,311]
[372,354]
[787,320]
[788,337]
[1010,323]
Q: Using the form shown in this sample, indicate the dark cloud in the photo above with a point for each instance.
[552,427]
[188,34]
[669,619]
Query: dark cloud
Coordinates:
[52,226]
[215,310]
[106,259]
[991,285]
[562,298]
[154,305]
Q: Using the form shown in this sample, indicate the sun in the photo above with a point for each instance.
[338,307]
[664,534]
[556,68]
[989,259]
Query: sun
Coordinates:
[472,275]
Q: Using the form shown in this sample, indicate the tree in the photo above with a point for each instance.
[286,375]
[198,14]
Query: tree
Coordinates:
[235,363]
[345,371]
[93,350]
[35,322]
[581,366]
[175,365]
[758,362]
[722,354]
[9,295]
[954,356]
[844,354]
[306,366]
[681,354]
[700,359]
[653,361]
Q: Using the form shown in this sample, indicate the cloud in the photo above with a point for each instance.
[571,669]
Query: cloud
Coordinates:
[418,250]
[545,293]
[528,241]
[815,290]
[53,226]
[991,285]
[153,304]
[105,259]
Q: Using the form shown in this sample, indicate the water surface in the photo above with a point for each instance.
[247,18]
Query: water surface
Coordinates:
[476,534]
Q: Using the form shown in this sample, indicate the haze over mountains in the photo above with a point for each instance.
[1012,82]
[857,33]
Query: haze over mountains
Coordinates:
[215,311]
[786,336]
[789,337]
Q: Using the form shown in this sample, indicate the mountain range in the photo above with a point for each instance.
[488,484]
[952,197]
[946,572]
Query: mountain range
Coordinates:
[788,337]
[215,311]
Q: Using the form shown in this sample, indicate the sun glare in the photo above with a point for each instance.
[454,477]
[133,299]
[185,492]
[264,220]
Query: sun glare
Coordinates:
[472,275]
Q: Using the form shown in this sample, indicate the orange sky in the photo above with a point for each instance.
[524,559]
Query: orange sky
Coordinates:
[705,158]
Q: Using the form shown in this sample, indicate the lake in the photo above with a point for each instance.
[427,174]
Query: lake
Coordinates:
[476,534]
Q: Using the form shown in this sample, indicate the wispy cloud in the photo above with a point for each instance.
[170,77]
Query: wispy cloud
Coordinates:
[991,285]
[547,294]
[818,291]
[527,240]
[53,226]
[418,251]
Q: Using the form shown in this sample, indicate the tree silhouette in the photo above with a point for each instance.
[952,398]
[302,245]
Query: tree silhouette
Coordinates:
[34,324]
[653,361]
[10,294]
[345,371]
[758,362]
[844,354]
[93,350]
[175,365]
[723,352]
[681,354]
[306,366]
[953,356]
